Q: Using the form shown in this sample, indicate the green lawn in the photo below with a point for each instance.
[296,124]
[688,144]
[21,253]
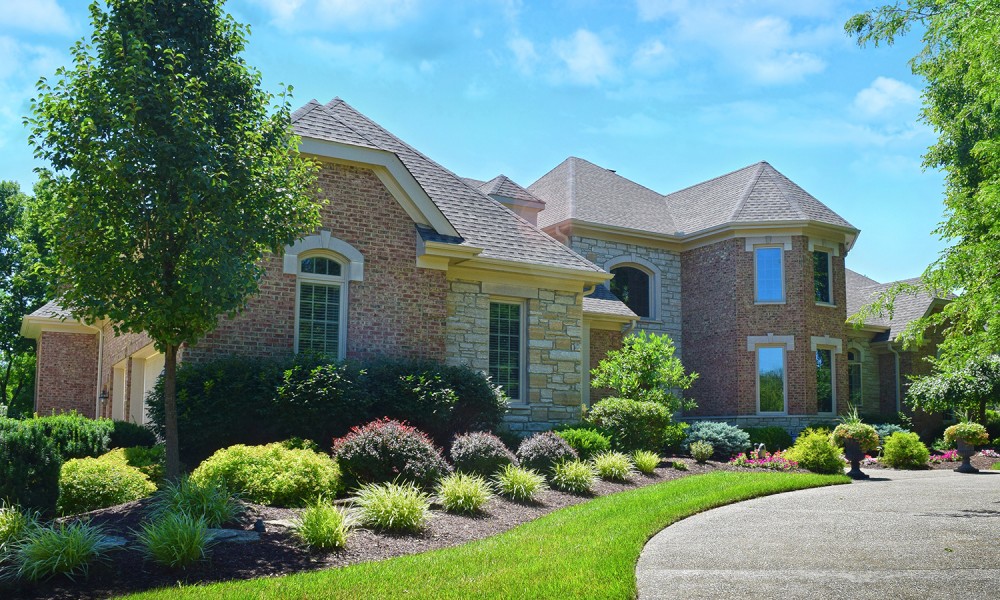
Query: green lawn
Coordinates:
[587,550]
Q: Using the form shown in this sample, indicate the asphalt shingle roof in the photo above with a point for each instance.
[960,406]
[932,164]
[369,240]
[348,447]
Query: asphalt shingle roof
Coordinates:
[578,189]
[603,302]
[501,185]
[480,220]
[908,306]
[51,310]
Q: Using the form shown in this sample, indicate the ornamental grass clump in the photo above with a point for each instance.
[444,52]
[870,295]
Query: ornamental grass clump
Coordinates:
[175,540]
[519,484]
[62,549]
[212,502]
[852,429]
[774,462]
[573,476]
[646,461]
[543,451]
[481,453]
[324,526]
[464,493]
[701,451]
[614,466]
[400,507]
[972,434]
[904,451]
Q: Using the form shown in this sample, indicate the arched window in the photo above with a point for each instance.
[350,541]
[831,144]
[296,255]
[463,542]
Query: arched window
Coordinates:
[632,286]
[321,308]
[854,376]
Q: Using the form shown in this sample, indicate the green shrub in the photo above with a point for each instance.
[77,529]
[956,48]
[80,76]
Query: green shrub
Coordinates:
[645,369]
[463,493]
[74,435]
[398,507]
[674,436]
[631,424]
[62,549]
[323,526]
[386,450]
[814,451]
[15,524]
[726,439]
[701,451]
[646,461]
[904,451]
[993,424]
[131,435]
[586,442]
[773,437]
[884,430]
[213,503]
[481,453]
[87,484]
[150,460]
[29,467]
[680,465]
[518,483]
[614,466]
[175,540]
[573,476]
[297,443]
[273,474]
[543,451]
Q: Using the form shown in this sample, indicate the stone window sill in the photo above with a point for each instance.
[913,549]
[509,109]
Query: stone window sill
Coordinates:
[826,305]
[776,303]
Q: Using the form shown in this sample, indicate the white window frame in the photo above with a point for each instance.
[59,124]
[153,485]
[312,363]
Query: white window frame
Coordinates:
[651,270]
[522,350]
[784,376]
[861,375]
[781,266]
[328,280]
[829,276]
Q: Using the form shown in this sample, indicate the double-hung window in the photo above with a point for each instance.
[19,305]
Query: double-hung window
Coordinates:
[769,269]
[322,307]
[507,354]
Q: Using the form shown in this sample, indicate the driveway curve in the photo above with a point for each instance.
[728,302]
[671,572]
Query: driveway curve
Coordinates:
[923,534]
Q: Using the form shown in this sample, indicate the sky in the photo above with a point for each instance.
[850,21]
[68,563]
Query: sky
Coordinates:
[668,93]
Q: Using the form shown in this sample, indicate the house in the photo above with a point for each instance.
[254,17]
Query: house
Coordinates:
[533,286]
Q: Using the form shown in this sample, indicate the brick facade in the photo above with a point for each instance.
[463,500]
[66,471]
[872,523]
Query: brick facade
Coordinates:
[66,373]
[602,341]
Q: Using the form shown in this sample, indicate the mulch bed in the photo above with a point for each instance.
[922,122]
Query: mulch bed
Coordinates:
[979,462]
[278,552]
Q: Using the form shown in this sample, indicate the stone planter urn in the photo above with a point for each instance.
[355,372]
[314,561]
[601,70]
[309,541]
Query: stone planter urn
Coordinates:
[854,453]
[965,450]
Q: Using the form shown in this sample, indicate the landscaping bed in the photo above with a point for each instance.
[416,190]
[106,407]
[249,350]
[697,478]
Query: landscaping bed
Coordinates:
[978,461]
[278,552]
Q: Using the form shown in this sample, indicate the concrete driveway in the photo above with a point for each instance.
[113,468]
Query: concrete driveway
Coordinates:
[923,534]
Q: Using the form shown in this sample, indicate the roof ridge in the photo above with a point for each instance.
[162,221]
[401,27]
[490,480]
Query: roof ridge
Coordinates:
[747,189]
[786,193]
[571,213]
[329,111]
[305,109]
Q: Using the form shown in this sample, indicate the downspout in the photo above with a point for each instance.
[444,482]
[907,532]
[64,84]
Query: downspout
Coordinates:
[899,392]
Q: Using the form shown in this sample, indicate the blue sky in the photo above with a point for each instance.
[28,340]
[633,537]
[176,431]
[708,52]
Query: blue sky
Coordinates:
[667,92]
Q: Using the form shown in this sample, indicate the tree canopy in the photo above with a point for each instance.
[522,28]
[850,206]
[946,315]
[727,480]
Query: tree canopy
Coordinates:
[174,174]
[960,62]
[971,389]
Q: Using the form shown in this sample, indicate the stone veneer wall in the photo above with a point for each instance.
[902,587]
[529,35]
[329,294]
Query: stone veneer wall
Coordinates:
[66,373]
[555,330]
[668,263]
[870,379]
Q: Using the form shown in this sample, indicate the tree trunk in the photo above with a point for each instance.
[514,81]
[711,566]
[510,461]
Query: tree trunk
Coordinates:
[170,413]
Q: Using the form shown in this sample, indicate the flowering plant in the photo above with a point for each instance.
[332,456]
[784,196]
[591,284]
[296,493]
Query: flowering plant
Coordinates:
[869,461]
[989,453]
[851,428]
[973,434]
[949,456]
[775,462]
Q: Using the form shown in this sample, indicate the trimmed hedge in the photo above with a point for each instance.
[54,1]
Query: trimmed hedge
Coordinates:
[254,401]
[131,435]
[631,424]
[29,467]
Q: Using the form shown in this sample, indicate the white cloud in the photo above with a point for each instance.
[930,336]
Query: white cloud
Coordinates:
[586,58]
[340,14]
[525,56]
[634,125]
[41,16]
[755,38]
[370,60]
[886,97]
[652,56]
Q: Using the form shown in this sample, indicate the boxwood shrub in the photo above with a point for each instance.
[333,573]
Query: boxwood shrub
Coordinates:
[273,474]
[904,450]
[29,467]
[131,435]
[385,450]
[87,484]
[814,450]
[631,424]
[587,442]
[727,440]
